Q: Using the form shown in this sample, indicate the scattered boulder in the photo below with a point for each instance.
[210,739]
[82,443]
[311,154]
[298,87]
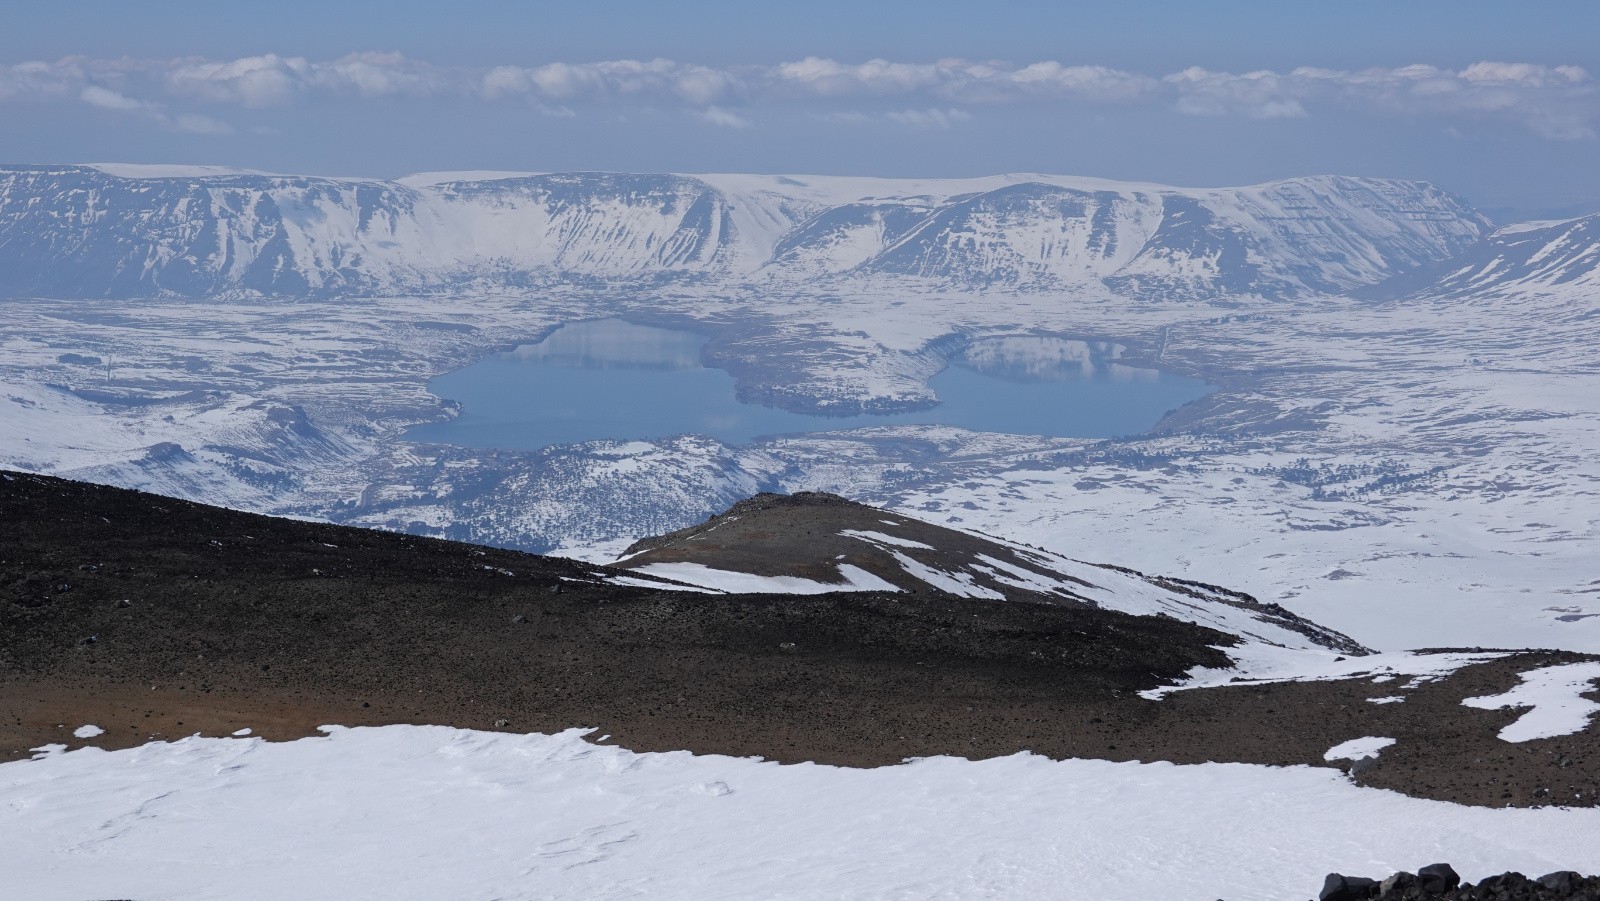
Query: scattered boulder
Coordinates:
[1338,887]
[1440,882]
[1561,880]
[1507,884]
[1438,878]
[1398,884]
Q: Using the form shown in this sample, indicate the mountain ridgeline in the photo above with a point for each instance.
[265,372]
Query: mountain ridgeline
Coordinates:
[1557,258]
[124,232]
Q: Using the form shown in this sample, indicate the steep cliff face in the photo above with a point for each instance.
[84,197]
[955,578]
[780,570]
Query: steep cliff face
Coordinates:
[71,231]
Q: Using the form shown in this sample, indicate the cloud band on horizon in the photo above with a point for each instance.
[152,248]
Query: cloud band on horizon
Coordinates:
[1556,102]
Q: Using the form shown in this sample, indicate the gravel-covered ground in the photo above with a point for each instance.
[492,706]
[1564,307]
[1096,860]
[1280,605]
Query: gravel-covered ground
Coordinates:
[156,618]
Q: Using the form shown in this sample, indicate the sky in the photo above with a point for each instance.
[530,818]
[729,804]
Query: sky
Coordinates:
[1498,101]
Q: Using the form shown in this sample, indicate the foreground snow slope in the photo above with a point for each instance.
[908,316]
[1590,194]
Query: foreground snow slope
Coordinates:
[429,812]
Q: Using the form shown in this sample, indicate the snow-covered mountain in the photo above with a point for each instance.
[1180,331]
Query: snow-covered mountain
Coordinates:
[1528,258]
[111,231]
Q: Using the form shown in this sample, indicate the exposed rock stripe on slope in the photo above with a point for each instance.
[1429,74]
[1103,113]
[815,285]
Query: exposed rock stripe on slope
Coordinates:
[1533,258]
[825,538]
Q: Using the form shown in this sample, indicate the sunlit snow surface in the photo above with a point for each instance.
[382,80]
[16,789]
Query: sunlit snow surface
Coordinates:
[1357,748]
[1555,696]
[854,579]
[424,812]
[1258,664]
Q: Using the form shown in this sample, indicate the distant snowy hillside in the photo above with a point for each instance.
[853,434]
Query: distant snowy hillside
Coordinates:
[119,231]
[1533,257]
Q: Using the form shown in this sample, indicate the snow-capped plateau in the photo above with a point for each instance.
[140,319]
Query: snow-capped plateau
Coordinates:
[122,231]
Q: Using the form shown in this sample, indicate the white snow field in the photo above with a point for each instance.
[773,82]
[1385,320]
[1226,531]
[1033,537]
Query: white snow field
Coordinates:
[854,579]
[1357,748]
[1257,663]
[1555,696]
[402,812]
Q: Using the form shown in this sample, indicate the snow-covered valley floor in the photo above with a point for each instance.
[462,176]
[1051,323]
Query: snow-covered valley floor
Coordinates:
[1417,473]
[429,812]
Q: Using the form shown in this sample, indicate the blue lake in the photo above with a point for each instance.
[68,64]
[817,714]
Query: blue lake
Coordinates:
[614,379]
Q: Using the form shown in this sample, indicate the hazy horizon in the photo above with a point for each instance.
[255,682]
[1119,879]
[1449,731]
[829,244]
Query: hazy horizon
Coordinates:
[1452,93]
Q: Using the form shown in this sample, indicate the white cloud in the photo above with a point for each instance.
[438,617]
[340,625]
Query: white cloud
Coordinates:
[716,115]
[505,81]
[1086,82]
[1561,102]
[40,81]
[191,123]
[655,79]
[253,81]
[1525,74]
[849,117]
[272,80]
[831,78]
[196,124]
[959,80]
[929,118]
[105,98]
[1259,95]
[382,75]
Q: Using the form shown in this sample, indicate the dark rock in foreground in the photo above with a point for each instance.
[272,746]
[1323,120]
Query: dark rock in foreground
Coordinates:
[1440,881]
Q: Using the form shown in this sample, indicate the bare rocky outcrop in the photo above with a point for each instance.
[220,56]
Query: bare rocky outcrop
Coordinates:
[1440,881]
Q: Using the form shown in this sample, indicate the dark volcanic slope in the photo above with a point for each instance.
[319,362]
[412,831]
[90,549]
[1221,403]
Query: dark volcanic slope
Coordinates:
[234,620]
[168,605]
[811,534]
